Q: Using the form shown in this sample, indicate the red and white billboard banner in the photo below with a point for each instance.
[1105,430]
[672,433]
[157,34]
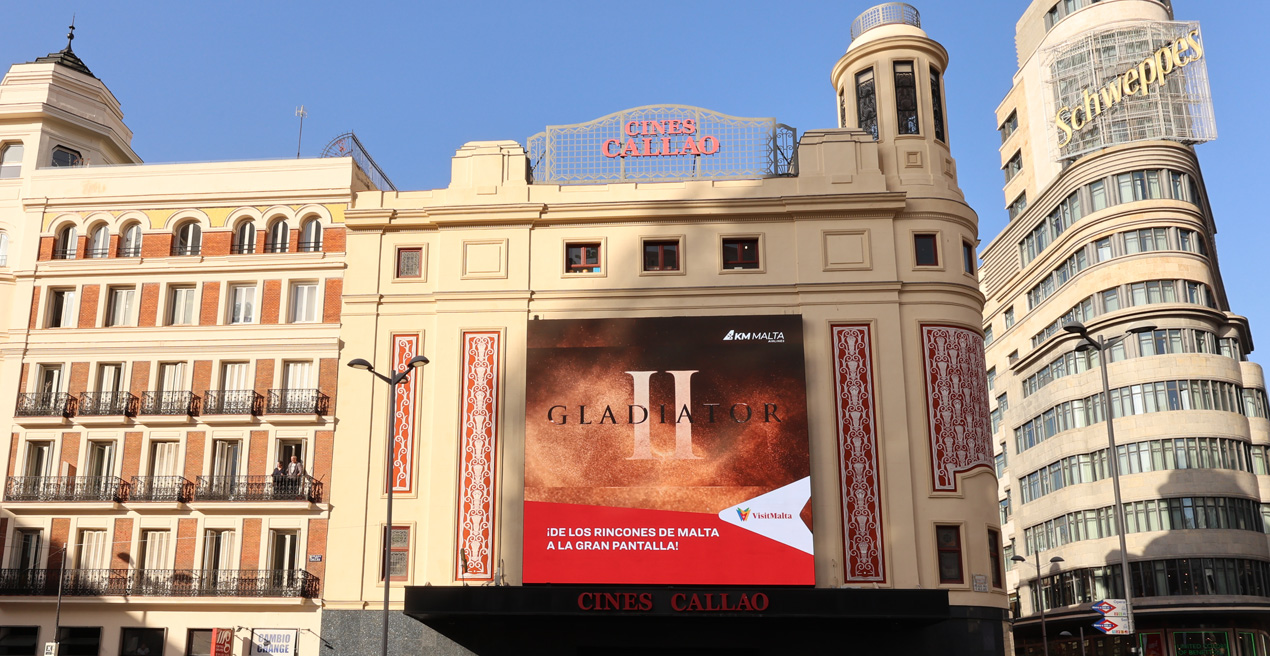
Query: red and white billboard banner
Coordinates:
[404,347]
[668,450]
[478,451]
[222,642]
[858,455]
[957,397]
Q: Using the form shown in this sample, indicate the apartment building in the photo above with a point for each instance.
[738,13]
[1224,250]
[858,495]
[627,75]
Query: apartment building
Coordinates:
[1111,232]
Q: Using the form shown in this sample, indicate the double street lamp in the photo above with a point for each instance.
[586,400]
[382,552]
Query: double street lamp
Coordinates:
[1103,346]
[1040,596]
[393,381]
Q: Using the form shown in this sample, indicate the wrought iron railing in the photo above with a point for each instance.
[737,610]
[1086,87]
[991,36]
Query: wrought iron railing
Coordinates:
[258,488]
[159,583]
[94,253]
[130,251]
[186,249]
[63,253]
[275,247]
[44,404]
[242,249]
[310,246]
[296,402]
[104,404]
[167,403]
[65,488]
[231,402]
[160,488]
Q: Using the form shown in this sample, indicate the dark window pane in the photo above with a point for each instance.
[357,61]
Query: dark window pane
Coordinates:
[906,98]
[925,249]
[866,102]
[740,253]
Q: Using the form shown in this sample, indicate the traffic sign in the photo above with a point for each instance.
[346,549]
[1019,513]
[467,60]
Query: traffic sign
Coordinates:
[1112,607]
[1117,626]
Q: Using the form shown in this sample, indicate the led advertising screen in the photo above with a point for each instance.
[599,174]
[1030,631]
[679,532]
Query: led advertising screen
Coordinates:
[669,450]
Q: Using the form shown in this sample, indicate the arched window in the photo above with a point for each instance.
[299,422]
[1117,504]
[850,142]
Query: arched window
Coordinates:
[244,237]
[99,242]
[189,239]
[279,234]
[311,236]
[65,243]
[4,248]
[11,160]
[130,241]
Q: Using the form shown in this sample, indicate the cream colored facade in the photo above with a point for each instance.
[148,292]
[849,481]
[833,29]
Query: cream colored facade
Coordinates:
[1125,243]
[152,375]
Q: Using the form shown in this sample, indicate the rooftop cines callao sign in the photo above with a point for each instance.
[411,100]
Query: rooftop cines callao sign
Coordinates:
[1135,81]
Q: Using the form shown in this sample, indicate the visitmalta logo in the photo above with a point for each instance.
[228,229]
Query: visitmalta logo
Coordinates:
[744,513]
[773,337]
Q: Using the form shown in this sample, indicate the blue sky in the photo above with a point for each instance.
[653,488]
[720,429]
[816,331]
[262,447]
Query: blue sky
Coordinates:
[221,80]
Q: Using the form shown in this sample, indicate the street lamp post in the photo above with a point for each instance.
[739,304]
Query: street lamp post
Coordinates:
[393,381]
[1040,597]
[1102,346]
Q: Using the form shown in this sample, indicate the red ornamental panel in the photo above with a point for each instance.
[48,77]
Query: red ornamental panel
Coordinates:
[477,451]
[858,455]
[957,396]
[404,347]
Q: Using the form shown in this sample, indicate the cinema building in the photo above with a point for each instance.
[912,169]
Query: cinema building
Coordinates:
[1111,229]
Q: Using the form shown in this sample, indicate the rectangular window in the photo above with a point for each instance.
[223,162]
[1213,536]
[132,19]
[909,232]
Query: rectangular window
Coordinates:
[1014,166]
[937,105]
[740,254]
[1009,318]
[1017,207]
[948,544]
[61,308]
[968,257]
[994,555]
[987,336]
[304,300]
[1098,195]
[906,98]
[992,378]
[582,258]
[1003,402]
[1009,126]
[409,262]
[182,310]
[140,642]
[119,312]
[661,255]
[399,556]
[198,642]
[866,103]
[242,304]
[79,641]
[926,250]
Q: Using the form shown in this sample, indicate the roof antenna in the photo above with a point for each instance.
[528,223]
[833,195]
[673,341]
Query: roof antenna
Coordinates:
[300,111]
[70,36]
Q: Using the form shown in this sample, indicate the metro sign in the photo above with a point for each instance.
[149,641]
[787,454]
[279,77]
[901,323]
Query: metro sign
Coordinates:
[1113,627]
[1107,608]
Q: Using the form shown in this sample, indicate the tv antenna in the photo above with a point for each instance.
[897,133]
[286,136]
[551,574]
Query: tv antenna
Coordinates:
[300,111]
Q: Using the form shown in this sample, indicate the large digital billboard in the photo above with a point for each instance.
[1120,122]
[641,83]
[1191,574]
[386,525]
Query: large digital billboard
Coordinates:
[669,450]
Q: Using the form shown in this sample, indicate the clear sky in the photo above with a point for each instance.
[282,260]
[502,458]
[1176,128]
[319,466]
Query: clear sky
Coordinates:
[221,80]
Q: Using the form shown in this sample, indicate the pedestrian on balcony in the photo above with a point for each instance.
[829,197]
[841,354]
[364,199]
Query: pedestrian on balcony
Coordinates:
[279,475]
[295,471]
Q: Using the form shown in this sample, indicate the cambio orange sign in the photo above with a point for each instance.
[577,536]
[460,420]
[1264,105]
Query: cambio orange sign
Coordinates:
[661,139]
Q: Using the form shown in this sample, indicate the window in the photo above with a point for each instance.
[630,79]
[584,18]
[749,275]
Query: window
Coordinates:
[242,304]
[948,543]
[11,161]
[661,255]
[740,254]
[79,641]
[994,556]
[987,336]
[1018,206]
[4,248]
[1014,166]
[1003,401]
[61,308]
[409,262]
[27,551]
[198,642]
[582,258]
[140,642]
[1009,318]
[182,310]
[297,375]
[65,244]
[1004,508]
[1009,126]
[311,236]
[866,103]
[92,551]
[1014,357]
[218,550]
[968,258]
[1051,17]
[1098,195]
[906,98]
[304,301]
[244,238]
[119,312]
[937,102]
[130,241]
[926,251]
[279,234]
[19,639]
[992,378]
[1102,249]
[63,156]
[399,558]
[99,242]
[189,239]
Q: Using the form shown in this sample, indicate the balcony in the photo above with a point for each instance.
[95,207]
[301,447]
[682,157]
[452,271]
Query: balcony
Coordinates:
[159,583]
[45,404]
[106,404]
[65,488]
[258,488]
[160,488]
[296,402]
[167,404]
[231,402]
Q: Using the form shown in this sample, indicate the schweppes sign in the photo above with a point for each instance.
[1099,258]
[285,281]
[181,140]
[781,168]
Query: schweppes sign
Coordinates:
[1151,71]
